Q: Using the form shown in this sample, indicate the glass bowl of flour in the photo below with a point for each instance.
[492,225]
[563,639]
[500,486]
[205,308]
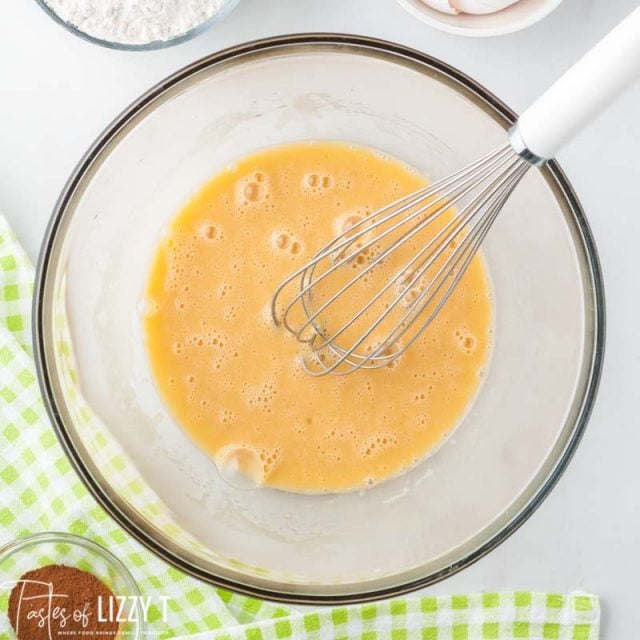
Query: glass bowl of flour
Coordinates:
[137,25]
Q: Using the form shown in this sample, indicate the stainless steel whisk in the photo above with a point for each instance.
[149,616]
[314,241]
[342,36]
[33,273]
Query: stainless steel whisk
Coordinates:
[455,213]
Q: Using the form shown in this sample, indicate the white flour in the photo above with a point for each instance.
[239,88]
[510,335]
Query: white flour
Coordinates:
[135,21]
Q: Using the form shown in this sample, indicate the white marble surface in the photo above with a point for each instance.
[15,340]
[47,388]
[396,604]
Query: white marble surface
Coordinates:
[57,93]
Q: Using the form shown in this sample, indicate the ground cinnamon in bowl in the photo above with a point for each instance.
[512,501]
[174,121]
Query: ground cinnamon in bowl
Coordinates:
[57,601]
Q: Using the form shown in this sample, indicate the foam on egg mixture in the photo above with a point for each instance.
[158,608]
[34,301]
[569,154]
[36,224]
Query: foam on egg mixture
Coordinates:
[234,381]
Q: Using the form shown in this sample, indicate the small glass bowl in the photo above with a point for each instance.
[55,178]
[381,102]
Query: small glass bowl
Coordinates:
[147,46]
[42,549]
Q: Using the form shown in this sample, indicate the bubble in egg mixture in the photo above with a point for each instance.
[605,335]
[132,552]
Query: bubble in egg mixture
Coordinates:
[253,192]
[240,466]
[209,231]
[283,240]
[317,183]
[351,221]
[411,297]
[466,341]
[286,242]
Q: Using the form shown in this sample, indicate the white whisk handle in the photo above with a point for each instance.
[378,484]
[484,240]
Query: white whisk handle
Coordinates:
[583,92]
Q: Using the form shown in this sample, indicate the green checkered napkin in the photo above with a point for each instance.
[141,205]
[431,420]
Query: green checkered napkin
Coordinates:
[489,616]
[39,491]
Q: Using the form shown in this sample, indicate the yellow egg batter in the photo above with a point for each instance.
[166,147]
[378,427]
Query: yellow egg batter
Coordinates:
[234,380]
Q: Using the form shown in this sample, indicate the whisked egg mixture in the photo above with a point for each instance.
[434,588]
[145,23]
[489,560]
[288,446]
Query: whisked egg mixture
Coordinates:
[235,381]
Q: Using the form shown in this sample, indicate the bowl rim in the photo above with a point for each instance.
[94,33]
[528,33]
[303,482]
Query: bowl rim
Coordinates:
[584,400]
[154,45]
[64,537]
[413,8]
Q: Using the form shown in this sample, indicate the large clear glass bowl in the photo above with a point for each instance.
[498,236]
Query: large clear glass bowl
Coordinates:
[408,532]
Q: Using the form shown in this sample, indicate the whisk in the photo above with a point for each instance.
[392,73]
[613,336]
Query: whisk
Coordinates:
[330,307]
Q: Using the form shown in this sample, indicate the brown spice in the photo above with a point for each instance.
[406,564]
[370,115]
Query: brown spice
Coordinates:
[63,608]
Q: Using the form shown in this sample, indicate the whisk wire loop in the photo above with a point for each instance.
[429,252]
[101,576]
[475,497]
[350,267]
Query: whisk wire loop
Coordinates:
[493,197]
[388,212]
[433,271]
[346,239]
[433,250]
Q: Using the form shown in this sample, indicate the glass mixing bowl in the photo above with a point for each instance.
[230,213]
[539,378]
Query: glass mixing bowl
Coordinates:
[412,530]
[42,549]
[145,46]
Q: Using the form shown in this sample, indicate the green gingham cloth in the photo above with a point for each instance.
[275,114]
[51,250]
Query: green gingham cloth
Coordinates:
[39,491]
